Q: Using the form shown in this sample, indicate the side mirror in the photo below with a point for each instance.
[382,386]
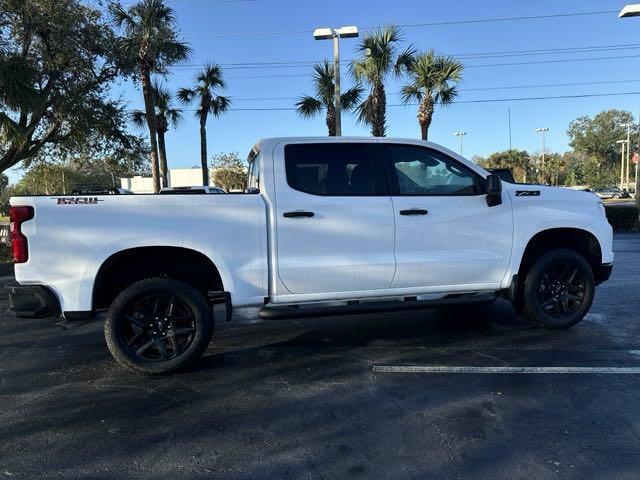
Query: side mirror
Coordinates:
[494,190]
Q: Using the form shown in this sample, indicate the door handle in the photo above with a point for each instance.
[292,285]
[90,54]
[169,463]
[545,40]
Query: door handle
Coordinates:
[298,214]
[414,211]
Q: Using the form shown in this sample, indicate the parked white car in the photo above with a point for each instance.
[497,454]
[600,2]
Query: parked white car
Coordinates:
[376,224]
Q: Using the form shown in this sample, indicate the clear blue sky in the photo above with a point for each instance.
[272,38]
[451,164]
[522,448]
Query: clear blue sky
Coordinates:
[240,31]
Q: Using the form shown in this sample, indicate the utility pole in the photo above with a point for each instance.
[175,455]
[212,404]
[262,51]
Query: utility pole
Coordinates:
[627,12]
[509,114]
[336,34]
[460,134]
[628,151]
[544,131]
[622,162]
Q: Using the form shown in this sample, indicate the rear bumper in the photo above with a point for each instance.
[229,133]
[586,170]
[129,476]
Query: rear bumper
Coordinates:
[34,301]
[602,273]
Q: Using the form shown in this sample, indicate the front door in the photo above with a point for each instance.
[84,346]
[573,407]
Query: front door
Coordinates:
[446,234]
[335,230]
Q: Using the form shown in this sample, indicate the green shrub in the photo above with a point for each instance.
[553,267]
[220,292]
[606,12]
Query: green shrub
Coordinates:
[623,217]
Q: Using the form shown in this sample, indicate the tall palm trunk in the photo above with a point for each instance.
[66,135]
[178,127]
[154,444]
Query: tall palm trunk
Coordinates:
[379,120]
[162,127]
[203,149]
[149,110]
[425,115]
[331,120]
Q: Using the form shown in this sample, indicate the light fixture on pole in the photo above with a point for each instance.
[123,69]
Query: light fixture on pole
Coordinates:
[626,12]
[336,34]
[460,134]
[543,131]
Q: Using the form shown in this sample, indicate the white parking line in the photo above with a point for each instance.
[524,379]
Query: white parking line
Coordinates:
[492,370]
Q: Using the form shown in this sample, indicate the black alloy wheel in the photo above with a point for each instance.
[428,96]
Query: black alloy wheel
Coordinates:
[562,288]
[558,289]
[158,325]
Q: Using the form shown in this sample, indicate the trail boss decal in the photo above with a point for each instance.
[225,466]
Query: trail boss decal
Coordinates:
[77,200]
[527,193]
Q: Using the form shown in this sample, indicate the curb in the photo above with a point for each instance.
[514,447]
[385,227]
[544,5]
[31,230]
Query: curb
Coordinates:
[6,269]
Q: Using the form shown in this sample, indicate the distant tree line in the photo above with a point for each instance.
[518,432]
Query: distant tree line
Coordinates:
[594,160]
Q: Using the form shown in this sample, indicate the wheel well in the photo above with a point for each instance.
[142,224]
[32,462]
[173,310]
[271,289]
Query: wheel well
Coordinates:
[574,239]
[128,266]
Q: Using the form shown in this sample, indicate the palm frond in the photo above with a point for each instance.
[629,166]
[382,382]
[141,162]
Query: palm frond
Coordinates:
[174,51]
[120,16]
[323,81]
[219,105]
[404,60]
[174,116]
[308,107]
[446,96]
[138,118]
[411,93]
[365,111]
[351,98]
[211,76]
[186,96]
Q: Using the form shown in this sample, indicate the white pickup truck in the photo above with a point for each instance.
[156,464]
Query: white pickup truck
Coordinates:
[325,226]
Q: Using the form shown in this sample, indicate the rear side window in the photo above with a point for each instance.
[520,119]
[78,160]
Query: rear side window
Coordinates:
[338,169]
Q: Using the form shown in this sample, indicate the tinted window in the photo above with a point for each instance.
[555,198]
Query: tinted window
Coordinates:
[420,171]
[330,169]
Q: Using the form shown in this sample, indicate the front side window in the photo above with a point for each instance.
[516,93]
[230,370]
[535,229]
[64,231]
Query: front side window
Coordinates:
[339,169]
[421,171]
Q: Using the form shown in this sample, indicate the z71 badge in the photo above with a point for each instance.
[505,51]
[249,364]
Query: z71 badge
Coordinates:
[77,200]
[527,193]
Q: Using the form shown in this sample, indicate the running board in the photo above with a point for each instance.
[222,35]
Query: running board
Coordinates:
[355,307]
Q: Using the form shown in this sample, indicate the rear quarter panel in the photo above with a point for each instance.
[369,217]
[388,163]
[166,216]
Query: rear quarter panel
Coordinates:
[68,242]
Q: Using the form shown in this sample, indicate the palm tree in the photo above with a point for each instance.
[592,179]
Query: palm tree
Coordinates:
[166,116]
[309,106]
[205,94]
[433,80]
[380,58]
[150,39]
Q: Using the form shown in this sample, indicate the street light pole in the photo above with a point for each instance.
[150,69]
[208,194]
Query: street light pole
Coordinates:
[460,134]
[336,81]
[544,131]
[336,34]
[622,144]
[627,12]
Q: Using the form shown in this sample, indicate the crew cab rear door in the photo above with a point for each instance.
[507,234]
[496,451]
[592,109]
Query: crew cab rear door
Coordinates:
[446,234]
[335,229]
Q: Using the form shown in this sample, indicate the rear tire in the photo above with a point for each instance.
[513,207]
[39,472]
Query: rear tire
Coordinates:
[158,325]
[558,290]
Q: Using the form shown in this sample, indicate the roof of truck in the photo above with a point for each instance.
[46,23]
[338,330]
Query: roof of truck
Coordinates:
[264,142]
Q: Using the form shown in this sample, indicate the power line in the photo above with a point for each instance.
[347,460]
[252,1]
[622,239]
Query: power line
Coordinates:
[481,65]
[476,89]
[427,24]
[495,54]
[488,100]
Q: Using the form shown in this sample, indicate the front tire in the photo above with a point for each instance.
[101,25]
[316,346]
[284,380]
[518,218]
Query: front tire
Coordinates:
[558,290]
[158,325]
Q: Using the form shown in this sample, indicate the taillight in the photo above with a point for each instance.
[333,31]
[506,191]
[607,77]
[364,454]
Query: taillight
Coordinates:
[18,215]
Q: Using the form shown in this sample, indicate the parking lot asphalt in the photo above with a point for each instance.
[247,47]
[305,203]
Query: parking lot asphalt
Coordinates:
[300,399]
